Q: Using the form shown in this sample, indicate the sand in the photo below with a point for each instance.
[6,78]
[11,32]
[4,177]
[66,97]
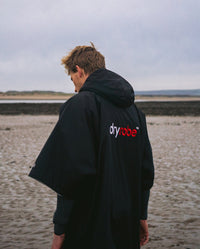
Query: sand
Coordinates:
[43,97]
[67,96]
[27,206]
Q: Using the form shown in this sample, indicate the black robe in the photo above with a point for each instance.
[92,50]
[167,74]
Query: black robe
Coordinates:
[99,156]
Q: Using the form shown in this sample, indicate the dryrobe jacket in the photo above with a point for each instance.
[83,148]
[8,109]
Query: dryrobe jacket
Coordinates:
[99,156]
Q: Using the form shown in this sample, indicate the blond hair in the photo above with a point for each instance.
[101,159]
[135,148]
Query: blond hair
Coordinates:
[86,57]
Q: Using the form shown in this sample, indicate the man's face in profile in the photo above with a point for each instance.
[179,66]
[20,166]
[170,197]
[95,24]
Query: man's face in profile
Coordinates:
[78,78]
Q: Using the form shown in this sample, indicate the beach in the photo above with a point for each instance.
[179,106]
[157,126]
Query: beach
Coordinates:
[27,206]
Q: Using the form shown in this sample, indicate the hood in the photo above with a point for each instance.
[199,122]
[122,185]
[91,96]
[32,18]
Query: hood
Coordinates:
[110,86]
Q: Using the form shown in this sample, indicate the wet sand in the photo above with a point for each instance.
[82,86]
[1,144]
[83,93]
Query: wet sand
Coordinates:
[153,107]
[27,206]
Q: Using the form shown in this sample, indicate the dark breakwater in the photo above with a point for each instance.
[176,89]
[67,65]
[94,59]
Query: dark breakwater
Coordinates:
[159,108]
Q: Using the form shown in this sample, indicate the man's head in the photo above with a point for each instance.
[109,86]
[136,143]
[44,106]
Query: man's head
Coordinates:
[81,62]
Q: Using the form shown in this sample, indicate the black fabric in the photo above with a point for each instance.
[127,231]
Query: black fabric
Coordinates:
[110,86]
[99,156]
[62,214]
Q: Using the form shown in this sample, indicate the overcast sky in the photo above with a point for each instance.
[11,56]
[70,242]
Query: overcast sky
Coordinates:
[154,44]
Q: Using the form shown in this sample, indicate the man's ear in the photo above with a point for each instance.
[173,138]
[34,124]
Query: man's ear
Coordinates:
[80,71]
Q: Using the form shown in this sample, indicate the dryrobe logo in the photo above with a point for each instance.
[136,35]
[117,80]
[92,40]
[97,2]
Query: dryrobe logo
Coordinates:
[117,131]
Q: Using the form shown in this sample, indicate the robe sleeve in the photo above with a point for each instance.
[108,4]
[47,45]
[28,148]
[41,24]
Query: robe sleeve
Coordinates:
[62,214]
[67,161]
[147,172]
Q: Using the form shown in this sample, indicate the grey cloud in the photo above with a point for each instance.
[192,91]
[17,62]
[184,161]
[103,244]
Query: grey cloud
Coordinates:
[142,40]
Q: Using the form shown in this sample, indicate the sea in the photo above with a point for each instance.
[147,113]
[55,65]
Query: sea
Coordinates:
[38,101]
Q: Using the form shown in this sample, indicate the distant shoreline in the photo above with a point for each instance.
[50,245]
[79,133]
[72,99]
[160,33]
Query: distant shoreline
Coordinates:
[67,96]
[49,103]
[35,97]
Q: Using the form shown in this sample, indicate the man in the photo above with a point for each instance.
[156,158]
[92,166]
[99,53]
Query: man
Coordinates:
[99,160]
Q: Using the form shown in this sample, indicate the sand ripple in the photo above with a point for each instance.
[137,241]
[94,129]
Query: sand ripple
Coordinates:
[27,206]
